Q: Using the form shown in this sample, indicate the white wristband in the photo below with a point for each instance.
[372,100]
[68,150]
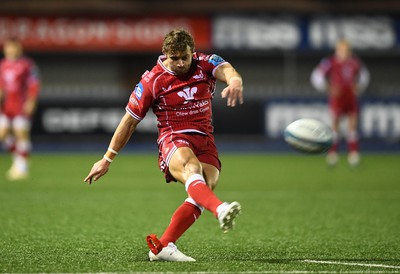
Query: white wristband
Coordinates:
[112,150]
[107,159]
[235,78]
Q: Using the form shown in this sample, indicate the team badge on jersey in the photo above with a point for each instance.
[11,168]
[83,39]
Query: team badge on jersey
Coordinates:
[216,60]
[139,91]
[187,93]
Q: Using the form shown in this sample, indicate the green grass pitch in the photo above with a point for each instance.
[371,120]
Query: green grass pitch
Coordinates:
[298,216]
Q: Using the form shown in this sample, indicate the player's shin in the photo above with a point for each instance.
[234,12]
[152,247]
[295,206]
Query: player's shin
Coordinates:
[199,191]
[183,218]
[9,144]
[352,141]
[22,152]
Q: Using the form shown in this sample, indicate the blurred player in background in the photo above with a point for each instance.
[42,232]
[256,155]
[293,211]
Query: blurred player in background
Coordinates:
[19,88]
[179,89]
[345,78]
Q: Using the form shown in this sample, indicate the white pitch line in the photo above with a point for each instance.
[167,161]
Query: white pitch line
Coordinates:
[354,264]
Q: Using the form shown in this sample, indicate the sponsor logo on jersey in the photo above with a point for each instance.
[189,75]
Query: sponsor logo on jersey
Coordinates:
[187,93]
[133,101]
[166,89]
[147,76]
[139,91]
[216,60]
[199,76]
[166,150]
[182,142]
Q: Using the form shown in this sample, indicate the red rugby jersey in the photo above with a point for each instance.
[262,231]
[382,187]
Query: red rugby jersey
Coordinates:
[342,76]
[180,103]
[19,79]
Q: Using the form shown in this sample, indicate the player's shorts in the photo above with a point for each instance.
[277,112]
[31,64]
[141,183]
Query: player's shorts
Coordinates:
[18,122]
[203,146]
[342,107]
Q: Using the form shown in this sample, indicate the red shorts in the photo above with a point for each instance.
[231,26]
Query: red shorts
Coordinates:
[203,146]
[13,107]
[341,107]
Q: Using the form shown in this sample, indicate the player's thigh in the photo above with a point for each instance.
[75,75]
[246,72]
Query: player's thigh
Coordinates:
[335,118]
[353,120]
[211,175]
[184,164]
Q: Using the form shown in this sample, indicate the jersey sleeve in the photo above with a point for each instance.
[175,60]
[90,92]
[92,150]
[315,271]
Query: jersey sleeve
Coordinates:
[318,76]
[33,80]
[325,65]
[140,101]
[212,62]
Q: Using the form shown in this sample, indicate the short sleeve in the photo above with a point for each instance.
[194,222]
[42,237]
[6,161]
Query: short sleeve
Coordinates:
[33,80]
[325,65]
[140,101]
[212,62]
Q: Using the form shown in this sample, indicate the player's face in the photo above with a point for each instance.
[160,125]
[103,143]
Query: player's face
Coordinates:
[343,50]
[12,49]
[179,62]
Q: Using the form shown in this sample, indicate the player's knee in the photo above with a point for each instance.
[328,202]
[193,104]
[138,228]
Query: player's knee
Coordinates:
[352,135]
[212,184]
[211,174]
[192,166]
[22,135]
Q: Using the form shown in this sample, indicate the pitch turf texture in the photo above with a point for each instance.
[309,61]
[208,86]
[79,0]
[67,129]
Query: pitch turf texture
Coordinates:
[298,216]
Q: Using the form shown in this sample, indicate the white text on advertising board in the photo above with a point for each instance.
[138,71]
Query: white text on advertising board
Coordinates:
[377,119]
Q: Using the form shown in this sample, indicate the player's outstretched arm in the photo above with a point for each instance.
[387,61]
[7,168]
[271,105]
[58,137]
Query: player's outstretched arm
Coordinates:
[121,136]
[98,170]
[234,91]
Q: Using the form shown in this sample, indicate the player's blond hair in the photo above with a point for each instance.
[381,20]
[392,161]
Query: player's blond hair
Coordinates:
[177,40]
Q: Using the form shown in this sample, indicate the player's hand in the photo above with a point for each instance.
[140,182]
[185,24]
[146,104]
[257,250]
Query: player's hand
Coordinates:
[233,92]
[98,170]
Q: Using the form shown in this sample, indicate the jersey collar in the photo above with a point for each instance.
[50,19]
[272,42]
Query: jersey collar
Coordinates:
[161,58]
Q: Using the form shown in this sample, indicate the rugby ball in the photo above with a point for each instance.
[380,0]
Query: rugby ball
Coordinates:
[309,135]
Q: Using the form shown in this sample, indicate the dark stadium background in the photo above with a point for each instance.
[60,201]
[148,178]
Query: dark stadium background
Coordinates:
[299,216]
[273,44]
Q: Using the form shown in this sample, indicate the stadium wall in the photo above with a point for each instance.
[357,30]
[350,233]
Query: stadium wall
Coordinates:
[255,122]
[90,64]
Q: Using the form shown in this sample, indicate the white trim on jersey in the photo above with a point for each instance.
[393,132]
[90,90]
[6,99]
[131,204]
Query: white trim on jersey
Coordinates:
[133,114]
[154,84]
[223,63]
[163,66]
[189,130]
[169,155]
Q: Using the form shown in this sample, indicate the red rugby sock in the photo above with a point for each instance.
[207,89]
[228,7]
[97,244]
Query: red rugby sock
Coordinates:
[352,141]
[334,148]
[181,220]
[9,144]
[352,146]
[197,188]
